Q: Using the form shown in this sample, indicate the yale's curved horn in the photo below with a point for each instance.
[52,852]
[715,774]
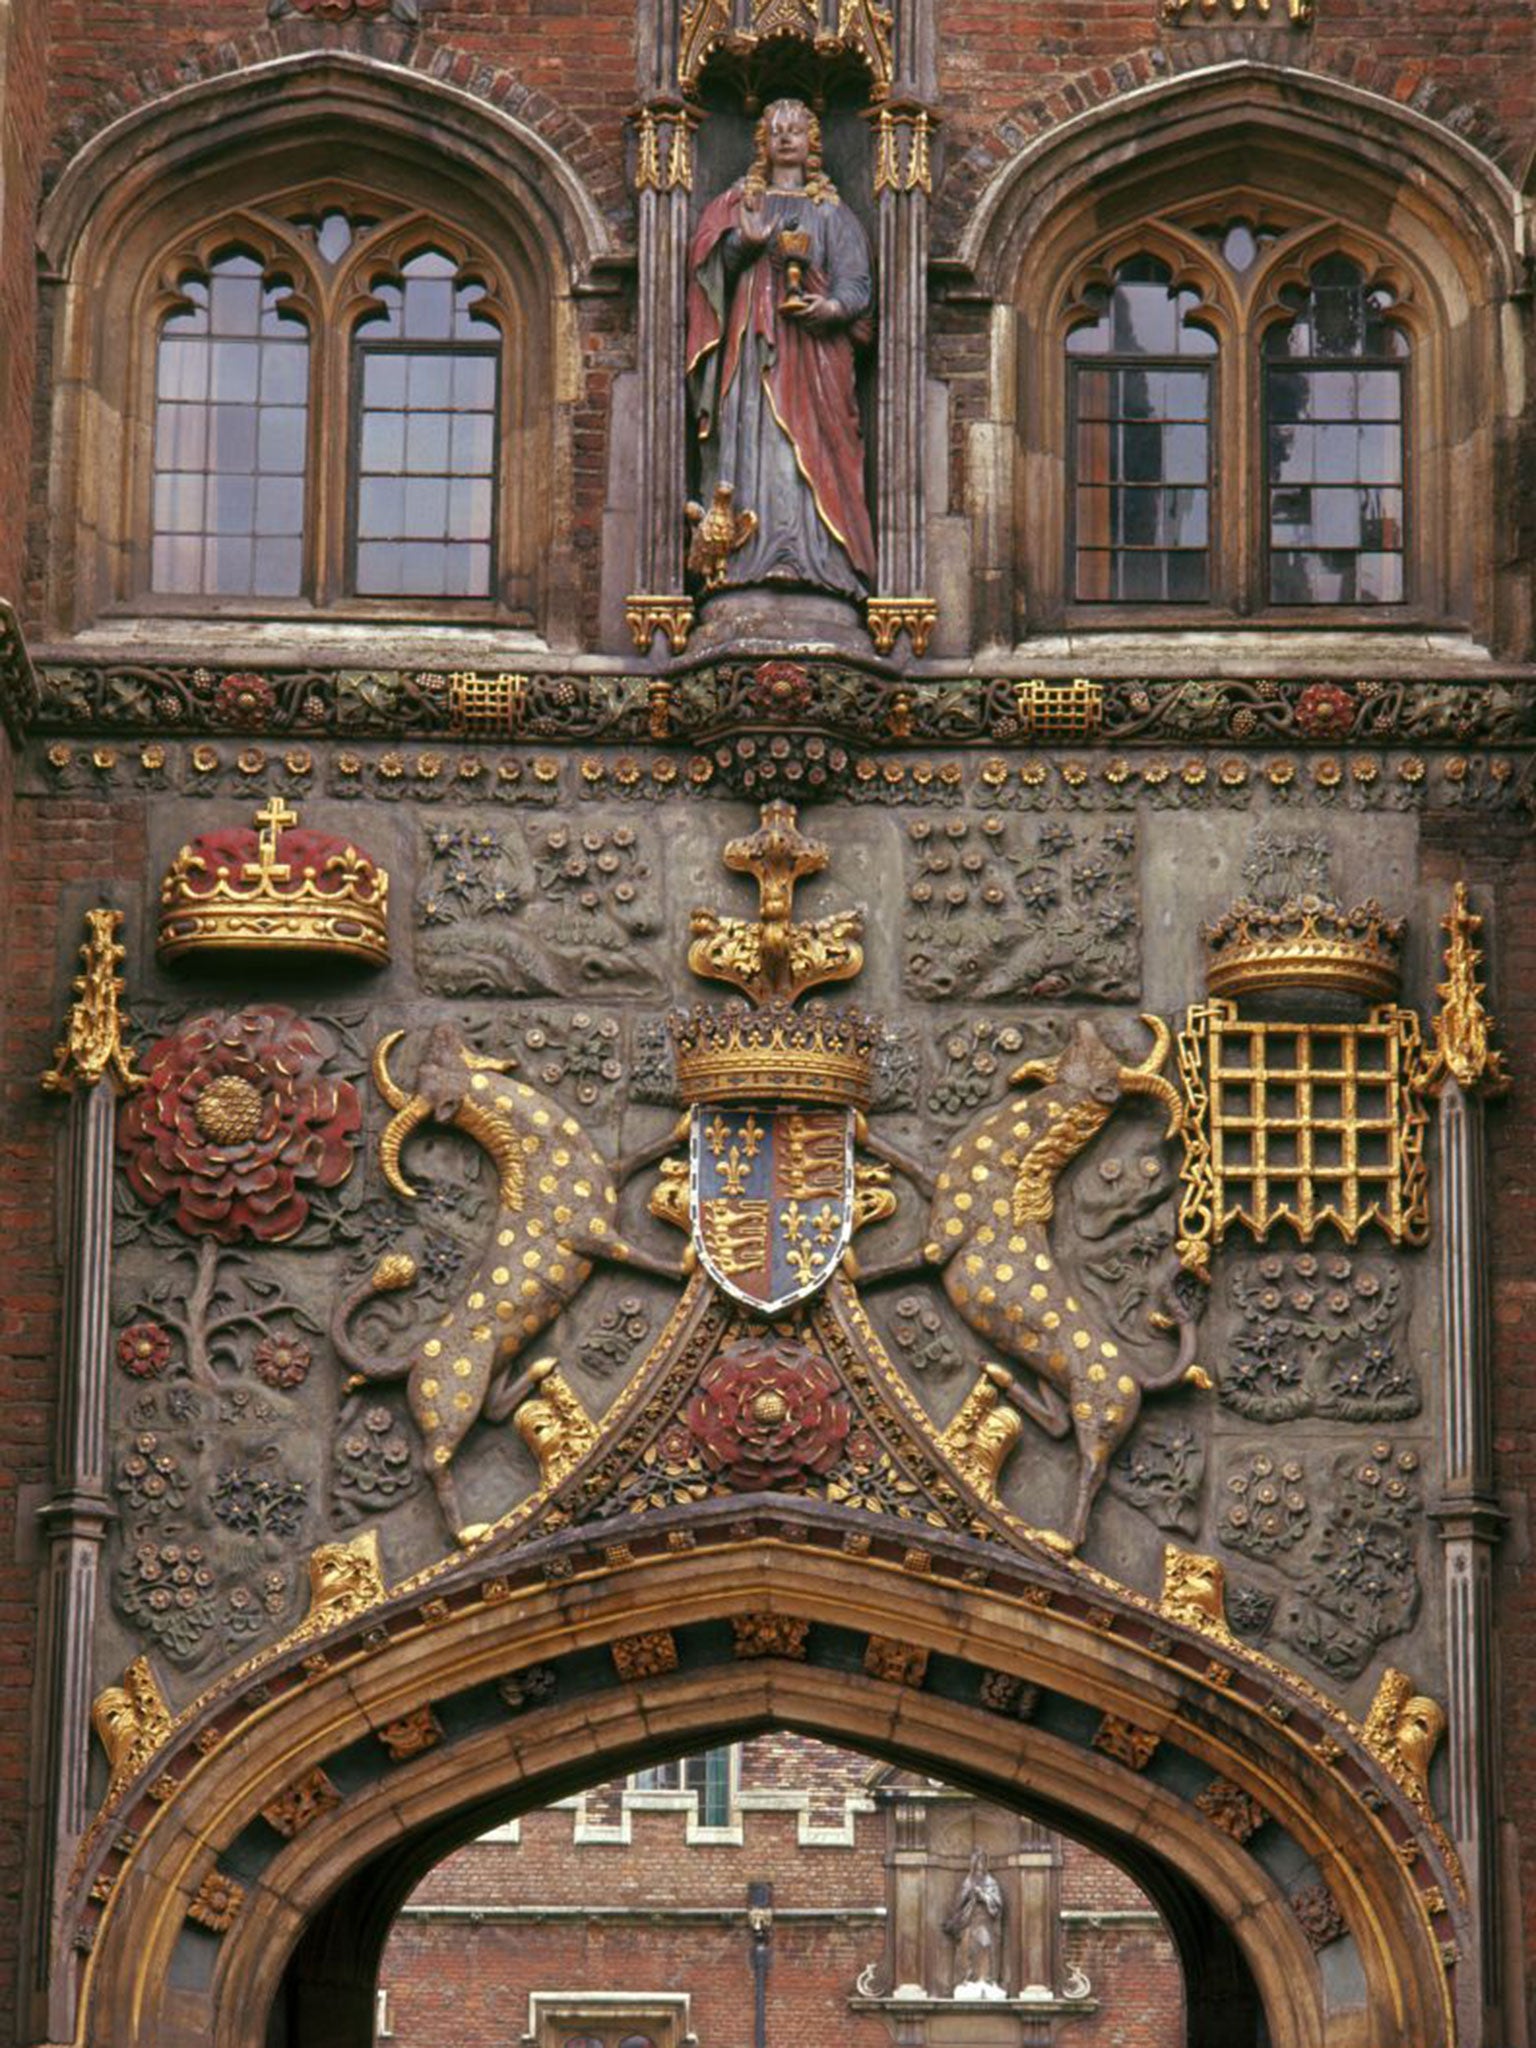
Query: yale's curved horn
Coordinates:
[387,1086]
[1162,1038]
[1147,1077]
[413,1110]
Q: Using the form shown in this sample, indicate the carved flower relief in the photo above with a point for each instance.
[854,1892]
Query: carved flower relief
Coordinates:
[144,1350]
[282,1361]
[1324,711]
[769,1413]
[237,1122]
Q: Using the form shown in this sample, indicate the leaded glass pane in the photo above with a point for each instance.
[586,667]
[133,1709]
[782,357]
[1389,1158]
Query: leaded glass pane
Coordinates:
[231,416]
[428,367]
[1333,443]
[1142,445]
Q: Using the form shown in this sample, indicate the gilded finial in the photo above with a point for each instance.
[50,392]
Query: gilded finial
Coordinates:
[274,819]
[1464,1046]
[771,958]
[93,1042]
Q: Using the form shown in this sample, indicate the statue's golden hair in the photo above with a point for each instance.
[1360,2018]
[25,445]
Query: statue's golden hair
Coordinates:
[819,188]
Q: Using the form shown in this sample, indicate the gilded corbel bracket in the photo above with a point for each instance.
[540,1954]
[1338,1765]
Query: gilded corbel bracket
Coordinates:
[93,1045]
[664,147]
[903,147]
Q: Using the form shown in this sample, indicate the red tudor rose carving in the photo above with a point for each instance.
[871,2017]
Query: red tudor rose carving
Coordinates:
[769,1413]
[237,1122]
[1324,711]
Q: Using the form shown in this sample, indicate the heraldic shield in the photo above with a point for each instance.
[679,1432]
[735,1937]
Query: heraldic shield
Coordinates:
[770,1199]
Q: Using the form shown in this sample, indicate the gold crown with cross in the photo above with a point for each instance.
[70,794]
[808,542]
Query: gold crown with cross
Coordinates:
[274,888]
[765,1047]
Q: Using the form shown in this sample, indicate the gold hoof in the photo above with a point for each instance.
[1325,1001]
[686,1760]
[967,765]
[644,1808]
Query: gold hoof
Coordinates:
[474,1532]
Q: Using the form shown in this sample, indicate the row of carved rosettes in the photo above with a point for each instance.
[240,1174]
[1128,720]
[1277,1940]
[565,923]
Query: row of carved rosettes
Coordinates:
[801,766]
[869,705]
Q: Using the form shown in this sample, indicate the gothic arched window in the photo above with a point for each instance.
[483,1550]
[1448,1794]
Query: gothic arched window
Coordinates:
[328,419]
[1227,425]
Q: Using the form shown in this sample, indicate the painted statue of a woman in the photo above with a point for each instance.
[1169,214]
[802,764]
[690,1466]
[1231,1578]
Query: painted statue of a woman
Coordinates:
[779,290]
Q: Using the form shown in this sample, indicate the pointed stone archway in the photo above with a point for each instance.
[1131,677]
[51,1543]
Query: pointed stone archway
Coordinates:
[239,1890]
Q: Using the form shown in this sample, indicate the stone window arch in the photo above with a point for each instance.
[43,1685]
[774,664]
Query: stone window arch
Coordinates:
[1244,187]
[333,184]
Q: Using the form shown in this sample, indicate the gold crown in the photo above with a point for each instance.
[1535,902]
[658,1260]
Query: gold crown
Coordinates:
[274,891]
[1305,943]
[737,1054]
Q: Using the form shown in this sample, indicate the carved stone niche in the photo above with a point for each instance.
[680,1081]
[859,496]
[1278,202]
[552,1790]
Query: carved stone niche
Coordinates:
[933,1835]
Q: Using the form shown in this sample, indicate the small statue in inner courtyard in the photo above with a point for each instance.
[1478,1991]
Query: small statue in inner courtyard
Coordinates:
[779,292]
[976,1929]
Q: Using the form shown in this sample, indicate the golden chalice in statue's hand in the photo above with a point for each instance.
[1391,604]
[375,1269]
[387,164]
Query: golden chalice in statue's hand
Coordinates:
[794,247]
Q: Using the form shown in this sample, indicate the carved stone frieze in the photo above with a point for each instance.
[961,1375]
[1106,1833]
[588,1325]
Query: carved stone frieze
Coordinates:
[218,1902]
[1162,1471]
[1322,1920]
[1265,1510]
[537,910]
[897,1662]
[1236,1812]
[770,1635]
[411,1735]
[1125,1742]
[997,909]
[1318,1333]
[347,704]
[528,1687]
[1361,1583]
[1002,1693]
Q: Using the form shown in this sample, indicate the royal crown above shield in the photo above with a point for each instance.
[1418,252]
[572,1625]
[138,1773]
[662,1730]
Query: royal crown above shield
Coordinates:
[772,1089]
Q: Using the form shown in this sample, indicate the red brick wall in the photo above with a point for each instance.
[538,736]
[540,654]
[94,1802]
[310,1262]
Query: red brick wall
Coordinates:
[1513,1206]
[23,133]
